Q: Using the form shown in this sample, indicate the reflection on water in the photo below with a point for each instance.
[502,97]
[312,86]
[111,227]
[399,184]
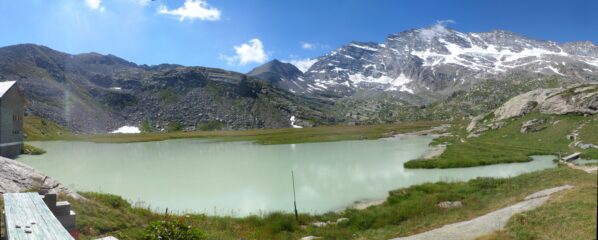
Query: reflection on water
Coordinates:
[240,178]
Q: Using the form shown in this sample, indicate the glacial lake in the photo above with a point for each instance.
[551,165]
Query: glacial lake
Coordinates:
[242,178]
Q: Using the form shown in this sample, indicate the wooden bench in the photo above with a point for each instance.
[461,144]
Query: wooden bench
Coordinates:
[26,216]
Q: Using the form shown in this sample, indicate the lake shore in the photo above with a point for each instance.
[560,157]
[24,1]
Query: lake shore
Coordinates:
[263,136]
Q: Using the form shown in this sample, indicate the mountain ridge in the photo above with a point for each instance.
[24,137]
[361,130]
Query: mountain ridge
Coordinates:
[441,59]
[95,93]
[419,74]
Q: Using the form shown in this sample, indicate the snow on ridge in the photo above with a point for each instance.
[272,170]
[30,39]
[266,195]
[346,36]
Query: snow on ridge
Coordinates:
[592,61]
[555,70]
[363,47]
[396,84]
[303,64]
[493,59]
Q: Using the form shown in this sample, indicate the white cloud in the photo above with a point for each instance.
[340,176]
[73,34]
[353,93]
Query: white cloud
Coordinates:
[306,45]
[95,4]
[302,64]
[250,52]
[438,29]
[192,9]
[142,2]
[312,46]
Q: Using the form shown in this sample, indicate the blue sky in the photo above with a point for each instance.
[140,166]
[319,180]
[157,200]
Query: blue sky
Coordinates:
[240,34]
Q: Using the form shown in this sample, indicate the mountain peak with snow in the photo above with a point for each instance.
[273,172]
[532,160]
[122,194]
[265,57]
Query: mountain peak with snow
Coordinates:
[438,58]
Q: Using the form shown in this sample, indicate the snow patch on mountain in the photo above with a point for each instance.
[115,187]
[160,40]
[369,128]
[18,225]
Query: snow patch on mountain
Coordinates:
[303,64]
[127,130]
[293,120]
[363,47]
[478,57]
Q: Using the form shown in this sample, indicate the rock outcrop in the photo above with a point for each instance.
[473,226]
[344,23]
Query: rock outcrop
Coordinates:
[533,125]
[18,177]
[582,99]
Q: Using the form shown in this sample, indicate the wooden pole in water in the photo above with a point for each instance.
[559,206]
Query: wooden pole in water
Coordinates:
[294,196]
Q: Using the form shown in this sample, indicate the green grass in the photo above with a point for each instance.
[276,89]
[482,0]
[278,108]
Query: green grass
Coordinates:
[210,125]
[268,136]
[589,132]
[507,144]
[405,212]
[571,215]
[32,150]
[37,128]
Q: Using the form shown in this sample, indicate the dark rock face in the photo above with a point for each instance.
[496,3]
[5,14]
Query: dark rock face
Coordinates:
[99,93]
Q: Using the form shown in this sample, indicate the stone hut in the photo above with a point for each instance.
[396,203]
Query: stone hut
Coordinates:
[11,119]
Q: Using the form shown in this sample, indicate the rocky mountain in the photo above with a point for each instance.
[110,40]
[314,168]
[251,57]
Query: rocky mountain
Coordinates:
[429,73]
[98,93]
[283,75]
[438,61]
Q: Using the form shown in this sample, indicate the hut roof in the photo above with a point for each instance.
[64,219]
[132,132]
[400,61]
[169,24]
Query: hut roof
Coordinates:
[4,86]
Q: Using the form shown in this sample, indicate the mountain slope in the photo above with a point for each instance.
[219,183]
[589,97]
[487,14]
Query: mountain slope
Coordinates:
[99,93]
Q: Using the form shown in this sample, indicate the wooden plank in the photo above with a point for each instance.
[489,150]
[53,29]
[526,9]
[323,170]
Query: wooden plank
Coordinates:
[30,212]
[572,156]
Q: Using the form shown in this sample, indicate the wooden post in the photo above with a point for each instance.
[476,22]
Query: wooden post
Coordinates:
[294,196]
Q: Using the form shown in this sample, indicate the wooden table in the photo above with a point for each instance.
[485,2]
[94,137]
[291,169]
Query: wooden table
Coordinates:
[27,217]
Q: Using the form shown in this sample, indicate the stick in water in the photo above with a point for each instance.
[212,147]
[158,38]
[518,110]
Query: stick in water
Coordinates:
[294,197]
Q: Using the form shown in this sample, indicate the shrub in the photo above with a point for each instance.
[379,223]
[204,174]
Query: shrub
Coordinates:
[32,150]
[174,127]
[280,222]
[145,127]
[210,125]
[172,229]
[111,200]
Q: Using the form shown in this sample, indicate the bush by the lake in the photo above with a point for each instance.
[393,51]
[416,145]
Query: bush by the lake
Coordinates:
[210,125]
[174,127]
[172,229]
[32,150]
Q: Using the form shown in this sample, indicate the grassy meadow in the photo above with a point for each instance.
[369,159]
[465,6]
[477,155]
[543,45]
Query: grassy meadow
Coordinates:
[508,144]
[406,211]
[36,131]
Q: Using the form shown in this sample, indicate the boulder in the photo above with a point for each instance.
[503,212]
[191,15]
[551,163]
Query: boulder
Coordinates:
[18,177]
[533,125]
[524,103]
[319,224]
[449,204]
[581,99]
[474,122]
[310,238]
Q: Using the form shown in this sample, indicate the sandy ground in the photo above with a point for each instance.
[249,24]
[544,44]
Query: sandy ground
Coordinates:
[588,169]
[488,223]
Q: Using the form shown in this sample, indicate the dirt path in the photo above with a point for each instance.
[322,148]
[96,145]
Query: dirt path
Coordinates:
[488,223]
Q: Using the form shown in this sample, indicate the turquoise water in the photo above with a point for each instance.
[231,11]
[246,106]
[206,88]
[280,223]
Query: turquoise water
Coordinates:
[241,178]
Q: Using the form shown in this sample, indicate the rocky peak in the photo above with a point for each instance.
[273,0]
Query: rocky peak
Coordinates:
[280,74]
[440,59]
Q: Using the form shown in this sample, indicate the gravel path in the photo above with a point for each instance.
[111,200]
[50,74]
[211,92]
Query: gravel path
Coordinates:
[488,223]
